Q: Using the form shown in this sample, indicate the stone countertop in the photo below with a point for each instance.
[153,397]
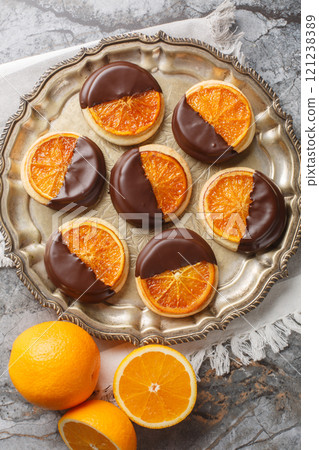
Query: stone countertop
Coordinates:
[255,407]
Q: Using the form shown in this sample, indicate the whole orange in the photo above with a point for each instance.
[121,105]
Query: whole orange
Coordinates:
[54,365]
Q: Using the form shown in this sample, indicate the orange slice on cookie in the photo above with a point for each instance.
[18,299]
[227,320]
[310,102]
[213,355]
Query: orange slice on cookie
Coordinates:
[149,184]
[129,115]
[214,121]
[123,103]
[176,273]
[243,209]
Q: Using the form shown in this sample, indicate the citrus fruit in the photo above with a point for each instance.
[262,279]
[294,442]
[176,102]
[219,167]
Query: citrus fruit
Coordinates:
[54,365]
[170,182]
[224,107]
[229,196]
[128,115]
[46,164]
[155,386]
[180,292]
[96,243]
[96,424]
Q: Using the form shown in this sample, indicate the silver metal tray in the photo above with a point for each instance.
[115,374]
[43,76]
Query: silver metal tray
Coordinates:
[53,106]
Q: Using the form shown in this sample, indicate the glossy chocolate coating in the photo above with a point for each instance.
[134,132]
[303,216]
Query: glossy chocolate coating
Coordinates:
[84,178]
[71,275]
[131,191]
[172,249]
[197,137]
[114,81]
[267,215]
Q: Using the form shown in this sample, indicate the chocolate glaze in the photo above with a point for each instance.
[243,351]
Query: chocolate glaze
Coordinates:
[267,215]
[116,80]
[84,178]
[71,275]
[197,137]
[131,191]
[172,249]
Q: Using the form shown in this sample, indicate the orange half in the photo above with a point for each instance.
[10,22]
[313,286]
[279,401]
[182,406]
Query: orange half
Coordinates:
[180,292]
[225,108]
[98,247]
[226,204]
[96,424]
[48,162]
[168,179]
[155,386]
[128,115]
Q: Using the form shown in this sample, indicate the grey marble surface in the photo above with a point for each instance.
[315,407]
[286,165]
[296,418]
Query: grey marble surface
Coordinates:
[254,407]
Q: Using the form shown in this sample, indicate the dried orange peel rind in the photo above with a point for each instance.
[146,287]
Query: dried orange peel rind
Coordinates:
[155,386]
[45,164]
[224,204]
[227,109]
[181,292]
[97,244]
[128,120]
[169,176]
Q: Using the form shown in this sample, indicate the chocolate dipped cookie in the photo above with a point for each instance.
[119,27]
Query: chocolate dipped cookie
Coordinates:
[150,184]
[176,273]
[213,121]
[243,209]
[86,260]
[123,103]
[62,169]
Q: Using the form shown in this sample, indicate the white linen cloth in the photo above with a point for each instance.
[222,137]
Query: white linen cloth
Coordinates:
[247,337]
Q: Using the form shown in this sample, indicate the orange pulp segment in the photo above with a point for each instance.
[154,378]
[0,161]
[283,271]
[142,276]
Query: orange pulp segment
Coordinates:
[128,115]
[180,291]
[80,436]
[155,386]
[99,248]
[168,179]
[48,163]
[225,108]
[226,204]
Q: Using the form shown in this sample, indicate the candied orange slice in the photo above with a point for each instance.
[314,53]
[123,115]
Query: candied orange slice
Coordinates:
[168,179]
[48,163]
[180,291]
[155,386]
[98,247]
[128,115]
[226,204]
[225,108]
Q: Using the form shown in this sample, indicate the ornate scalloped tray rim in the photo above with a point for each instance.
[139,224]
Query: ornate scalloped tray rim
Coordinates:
[129,337]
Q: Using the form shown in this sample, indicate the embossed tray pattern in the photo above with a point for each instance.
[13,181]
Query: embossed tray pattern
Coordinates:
[53,106]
